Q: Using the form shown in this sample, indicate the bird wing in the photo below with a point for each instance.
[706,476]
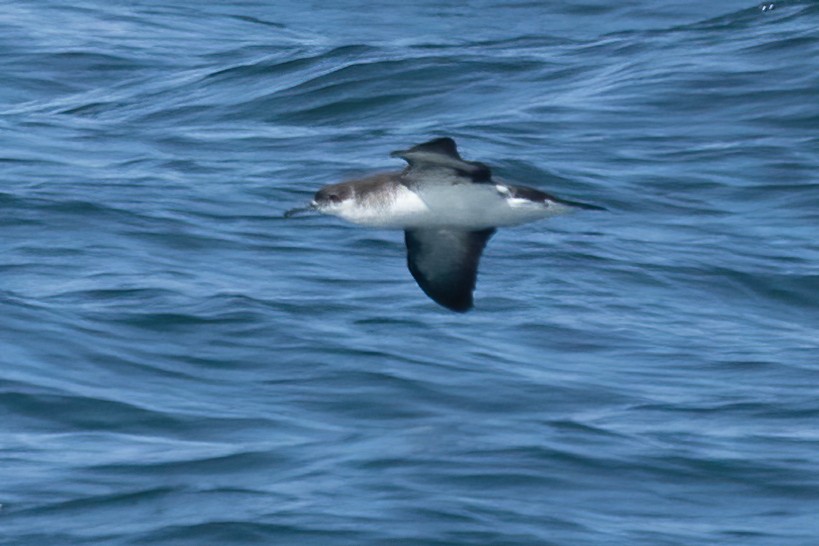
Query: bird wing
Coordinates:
[444,263]
[439,160]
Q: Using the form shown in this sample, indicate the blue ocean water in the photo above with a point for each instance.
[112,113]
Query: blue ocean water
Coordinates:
[179,364]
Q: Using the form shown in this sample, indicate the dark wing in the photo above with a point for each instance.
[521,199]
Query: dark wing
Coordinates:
[444,263]
[442,154]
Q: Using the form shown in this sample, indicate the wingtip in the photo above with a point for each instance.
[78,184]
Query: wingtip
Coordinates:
[457,307]
[459,303]
[442,145]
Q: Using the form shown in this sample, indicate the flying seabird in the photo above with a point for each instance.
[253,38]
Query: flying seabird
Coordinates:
[448,208]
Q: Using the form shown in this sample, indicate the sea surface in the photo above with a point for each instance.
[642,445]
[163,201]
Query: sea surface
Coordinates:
[179,364]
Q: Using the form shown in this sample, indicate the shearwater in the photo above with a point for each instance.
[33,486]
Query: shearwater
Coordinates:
[448,208]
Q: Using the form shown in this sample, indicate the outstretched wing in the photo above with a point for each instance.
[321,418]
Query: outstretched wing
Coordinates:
[444,263]
[441,154]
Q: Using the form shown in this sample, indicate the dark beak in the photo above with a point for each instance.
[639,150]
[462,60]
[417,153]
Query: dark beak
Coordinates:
[301,210]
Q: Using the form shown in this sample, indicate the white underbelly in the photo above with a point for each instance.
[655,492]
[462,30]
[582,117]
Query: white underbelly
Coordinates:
[467,206]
